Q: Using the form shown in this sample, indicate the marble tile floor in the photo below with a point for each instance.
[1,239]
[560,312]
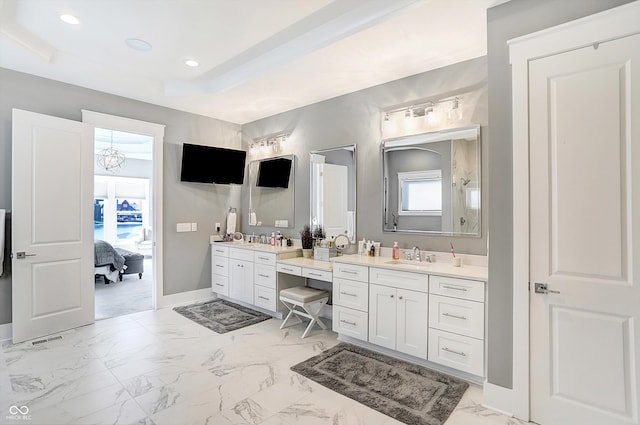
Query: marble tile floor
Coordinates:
[157,367]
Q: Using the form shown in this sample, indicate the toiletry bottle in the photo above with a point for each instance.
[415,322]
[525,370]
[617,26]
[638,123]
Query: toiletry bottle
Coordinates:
[396,251]
[361,247]
[373,250]
[273,238]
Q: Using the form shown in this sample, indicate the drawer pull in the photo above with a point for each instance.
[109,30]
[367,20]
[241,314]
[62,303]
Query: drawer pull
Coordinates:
[349,294]
[349,323]
[263,258]
[454,316]
[455,288]
[350,271]
[460,353]
[219,284]
[314,274]
[262,275]
[286,269]
[219,251]
[218,265]
[263,298]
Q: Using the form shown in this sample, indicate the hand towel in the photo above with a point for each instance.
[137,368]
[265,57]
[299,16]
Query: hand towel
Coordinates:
[231,223]
[3,215]
[253,220]
[351,224]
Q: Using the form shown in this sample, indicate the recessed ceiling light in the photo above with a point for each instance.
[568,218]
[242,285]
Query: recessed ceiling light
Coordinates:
[192,63]
[69,19]
[137,44]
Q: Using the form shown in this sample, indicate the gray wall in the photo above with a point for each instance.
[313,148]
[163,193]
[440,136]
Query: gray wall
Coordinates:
[186,255]
[504,22]
[355,119]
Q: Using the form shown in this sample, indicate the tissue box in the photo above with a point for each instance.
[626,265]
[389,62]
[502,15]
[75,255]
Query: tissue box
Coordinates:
[323,254]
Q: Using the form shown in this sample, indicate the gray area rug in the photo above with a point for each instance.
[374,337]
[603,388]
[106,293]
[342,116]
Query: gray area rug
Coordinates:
[409,393]
[221,316]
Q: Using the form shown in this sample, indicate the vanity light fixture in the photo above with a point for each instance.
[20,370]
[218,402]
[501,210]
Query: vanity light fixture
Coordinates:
[273,142]
[431,113]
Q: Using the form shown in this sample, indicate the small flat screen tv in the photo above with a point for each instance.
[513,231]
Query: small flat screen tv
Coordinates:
[274,173]
[209,164]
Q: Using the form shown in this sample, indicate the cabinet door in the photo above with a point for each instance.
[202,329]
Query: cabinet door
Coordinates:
[382,316]
[241,280]
[412,320]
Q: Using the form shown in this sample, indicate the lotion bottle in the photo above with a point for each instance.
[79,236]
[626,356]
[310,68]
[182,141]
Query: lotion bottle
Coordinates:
[273,238]
[396,251]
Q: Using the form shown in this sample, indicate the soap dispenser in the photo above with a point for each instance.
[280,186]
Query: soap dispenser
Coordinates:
[396,251]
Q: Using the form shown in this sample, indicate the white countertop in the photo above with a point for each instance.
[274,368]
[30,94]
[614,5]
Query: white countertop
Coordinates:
[308,262]
[437,268]
[259,247]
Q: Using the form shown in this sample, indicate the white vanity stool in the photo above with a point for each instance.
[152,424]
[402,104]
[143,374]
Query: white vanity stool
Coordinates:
[310,300]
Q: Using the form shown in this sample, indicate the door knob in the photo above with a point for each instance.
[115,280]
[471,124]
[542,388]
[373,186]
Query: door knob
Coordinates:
[541,288]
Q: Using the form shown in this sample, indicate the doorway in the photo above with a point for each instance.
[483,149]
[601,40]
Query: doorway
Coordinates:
[122,224]
[128,212]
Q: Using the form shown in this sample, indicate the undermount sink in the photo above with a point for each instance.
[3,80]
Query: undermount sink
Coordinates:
[407,262]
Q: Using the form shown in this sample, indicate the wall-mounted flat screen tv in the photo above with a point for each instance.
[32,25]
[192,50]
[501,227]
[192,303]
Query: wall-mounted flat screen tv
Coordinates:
[274,173]
[209,164]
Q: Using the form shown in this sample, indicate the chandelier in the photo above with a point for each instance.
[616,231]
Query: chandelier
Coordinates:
[112,160]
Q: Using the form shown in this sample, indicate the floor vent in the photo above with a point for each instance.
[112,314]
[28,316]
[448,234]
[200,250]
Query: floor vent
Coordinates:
[42,341]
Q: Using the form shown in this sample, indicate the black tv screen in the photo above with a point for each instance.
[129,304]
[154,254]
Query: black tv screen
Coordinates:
[274,173]
[209,164]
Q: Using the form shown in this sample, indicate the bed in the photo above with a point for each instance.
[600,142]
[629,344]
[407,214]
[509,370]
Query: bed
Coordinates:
[107,261]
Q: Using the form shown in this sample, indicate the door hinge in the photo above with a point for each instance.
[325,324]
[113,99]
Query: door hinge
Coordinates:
[528,286]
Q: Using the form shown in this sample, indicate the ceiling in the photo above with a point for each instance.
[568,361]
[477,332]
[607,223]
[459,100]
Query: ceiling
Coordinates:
[257,57]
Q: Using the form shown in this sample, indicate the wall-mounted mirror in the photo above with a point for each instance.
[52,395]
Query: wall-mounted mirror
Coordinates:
[431,182]
[333,190]
[271,191]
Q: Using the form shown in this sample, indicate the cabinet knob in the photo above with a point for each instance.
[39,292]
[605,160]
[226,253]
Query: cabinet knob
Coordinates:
[400,297]
[391,295]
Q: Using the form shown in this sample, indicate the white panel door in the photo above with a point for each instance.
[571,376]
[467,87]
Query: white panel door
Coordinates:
[412,319]
[52,227]
[334,200]
[585,234]
[382,316]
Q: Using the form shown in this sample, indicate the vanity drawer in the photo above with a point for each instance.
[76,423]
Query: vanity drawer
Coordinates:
[264,275]
[455,315]
[265,298]
[457,351]
[457,288]
[220,265]
[350,322]
[220,285]
[351,294]
[286,268]
[325,275]
[241,254]
[400,279]
[351,271]
[222,251]
[267,258]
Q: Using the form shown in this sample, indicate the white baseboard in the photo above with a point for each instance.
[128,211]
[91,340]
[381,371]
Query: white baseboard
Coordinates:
[183,298]
[6,332]
[498,398]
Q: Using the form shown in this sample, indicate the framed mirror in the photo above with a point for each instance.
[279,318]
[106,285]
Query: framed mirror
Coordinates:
[271,192]
[333,191]
[431,183]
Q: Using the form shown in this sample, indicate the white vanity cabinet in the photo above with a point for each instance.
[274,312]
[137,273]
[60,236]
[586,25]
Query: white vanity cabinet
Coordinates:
[351,300]
[220,269]
[398,316]
[241,275]
[265,279]
[456,323]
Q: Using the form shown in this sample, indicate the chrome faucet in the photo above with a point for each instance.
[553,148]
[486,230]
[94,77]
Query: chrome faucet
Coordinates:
[429,258]
[416,253]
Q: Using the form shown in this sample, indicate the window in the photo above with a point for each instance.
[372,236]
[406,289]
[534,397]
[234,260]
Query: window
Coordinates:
[420,193]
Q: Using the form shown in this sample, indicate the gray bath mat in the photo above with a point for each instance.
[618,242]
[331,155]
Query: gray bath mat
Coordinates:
[221,316]
[409,393]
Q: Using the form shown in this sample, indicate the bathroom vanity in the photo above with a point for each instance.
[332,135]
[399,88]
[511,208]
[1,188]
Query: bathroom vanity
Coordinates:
[432,312]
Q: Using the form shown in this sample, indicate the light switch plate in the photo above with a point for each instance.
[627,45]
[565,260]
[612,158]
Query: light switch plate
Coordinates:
[183,227]
[194,227]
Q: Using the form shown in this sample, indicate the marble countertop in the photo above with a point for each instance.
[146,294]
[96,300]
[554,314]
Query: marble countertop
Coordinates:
[308,262]
[437,268]
[259,247]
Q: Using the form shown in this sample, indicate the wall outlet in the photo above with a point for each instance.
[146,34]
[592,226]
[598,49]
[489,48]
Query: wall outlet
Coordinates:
[194,227]
[218,227]
[183,227]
